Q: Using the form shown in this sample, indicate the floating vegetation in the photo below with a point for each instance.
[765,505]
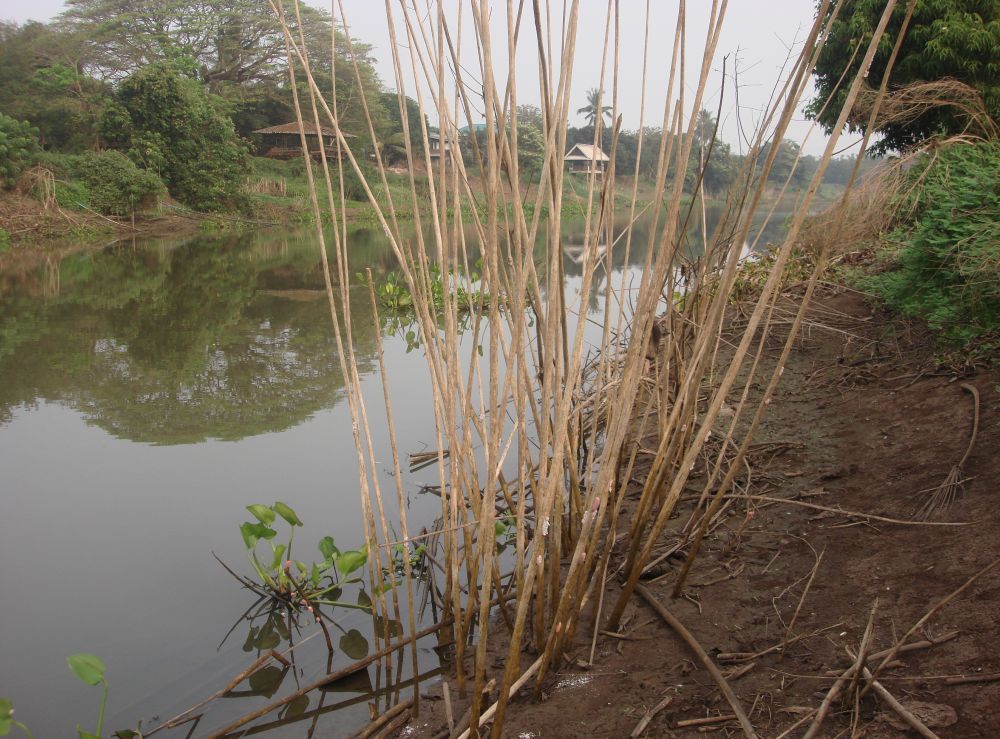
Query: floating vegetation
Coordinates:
[293,583]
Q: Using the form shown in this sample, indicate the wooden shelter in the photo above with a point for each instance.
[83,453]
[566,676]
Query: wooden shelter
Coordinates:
[439,146]
[586,159]
[284,141]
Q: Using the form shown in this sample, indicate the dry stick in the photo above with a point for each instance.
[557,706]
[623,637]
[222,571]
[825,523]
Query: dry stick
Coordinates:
[911,647]
[858,664]
[915,723]
[856,514]
[328,678]
[891,655]
[518,684]
[944,494]
[391,729]
[649,716]
[748,656]
[375,726]
[254,666]
[677,626]
[965,679]
[706,721]
[449,716]
[805,592]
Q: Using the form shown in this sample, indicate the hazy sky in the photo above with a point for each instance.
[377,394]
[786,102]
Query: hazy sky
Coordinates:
[757,36]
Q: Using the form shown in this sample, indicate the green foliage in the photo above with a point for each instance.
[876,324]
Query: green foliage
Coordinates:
[4,240]
[945,38]
[594,108]
[18,148]
[115,185]
[947,271]
[41,81]
[297,583]
[182,131]
[394,294]
[90,671]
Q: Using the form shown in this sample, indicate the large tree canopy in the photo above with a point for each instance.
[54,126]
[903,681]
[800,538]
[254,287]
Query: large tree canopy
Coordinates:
[956,39]
[226,41]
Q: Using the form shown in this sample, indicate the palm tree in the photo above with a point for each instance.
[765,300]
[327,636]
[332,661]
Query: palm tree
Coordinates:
[593,108]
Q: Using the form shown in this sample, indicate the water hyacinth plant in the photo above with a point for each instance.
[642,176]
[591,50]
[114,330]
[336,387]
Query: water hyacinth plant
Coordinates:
[293,581]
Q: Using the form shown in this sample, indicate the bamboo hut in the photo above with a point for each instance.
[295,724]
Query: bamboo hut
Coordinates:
[284,141]
[586,159]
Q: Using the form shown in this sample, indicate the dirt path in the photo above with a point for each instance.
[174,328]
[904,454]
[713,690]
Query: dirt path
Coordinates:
[857,426]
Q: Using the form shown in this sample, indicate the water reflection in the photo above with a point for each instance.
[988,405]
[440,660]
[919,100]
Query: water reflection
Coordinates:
[212,339]
[175,344]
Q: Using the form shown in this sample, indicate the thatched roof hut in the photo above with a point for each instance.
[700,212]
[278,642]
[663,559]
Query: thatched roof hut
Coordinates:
[586,159]
[284,142]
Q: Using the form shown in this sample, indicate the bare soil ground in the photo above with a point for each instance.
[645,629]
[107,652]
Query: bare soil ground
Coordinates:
[864,419]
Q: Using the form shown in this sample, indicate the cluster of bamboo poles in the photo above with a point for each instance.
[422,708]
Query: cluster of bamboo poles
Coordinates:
[519,429]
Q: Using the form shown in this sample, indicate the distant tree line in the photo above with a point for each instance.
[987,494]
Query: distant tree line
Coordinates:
[172,84]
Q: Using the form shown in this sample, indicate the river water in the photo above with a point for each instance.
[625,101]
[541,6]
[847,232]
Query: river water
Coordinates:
[149,391]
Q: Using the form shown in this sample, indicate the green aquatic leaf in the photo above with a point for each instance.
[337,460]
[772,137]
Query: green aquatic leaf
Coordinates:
[364,601]
[85,734]
[250,640]
[296,708]
[262,513]
[316,575]
[249,537]
[279,552]
[354,644]
[286,513]
[87,668]
[6,716]
[254,531]
[352,560]
[267,680]
[327,548]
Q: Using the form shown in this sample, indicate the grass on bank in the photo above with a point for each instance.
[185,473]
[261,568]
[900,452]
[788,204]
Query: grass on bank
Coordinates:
[941,263]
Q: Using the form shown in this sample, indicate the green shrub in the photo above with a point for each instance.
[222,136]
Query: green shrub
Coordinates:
[116,186]
[18,148]
[947,271]
[72,194]
[183,133]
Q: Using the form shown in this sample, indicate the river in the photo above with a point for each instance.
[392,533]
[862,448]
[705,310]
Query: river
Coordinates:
[150,391]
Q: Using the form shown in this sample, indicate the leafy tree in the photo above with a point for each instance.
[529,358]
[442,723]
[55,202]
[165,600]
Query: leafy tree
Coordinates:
[946,38]
[530,115]
[784,162]
[720,168]
[115,185]
[181,131]
[18,147]
[41,81]
[593,109]
[530,150]
[220,41]
[948,269]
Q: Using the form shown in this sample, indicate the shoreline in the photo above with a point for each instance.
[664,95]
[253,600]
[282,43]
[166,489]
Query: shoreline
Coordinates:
[818,537]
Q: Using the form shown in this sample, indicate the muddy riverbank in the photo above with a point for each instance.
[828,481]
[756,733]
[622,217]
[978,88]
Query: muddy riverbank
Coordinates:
[865,425]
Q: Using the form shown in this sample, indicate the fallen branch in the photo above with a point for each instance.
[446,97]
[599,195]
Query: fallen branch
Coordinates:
[649,716]
[706,721]
[915,723]
[326,679]
[678,627]
[911,647]
[375,726]
[927,616]
[805,592]
[856,514]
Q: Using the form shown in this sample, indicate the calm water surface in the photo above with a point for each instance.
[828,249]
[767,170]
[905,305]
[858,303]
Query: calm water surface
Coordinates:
[148,392]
